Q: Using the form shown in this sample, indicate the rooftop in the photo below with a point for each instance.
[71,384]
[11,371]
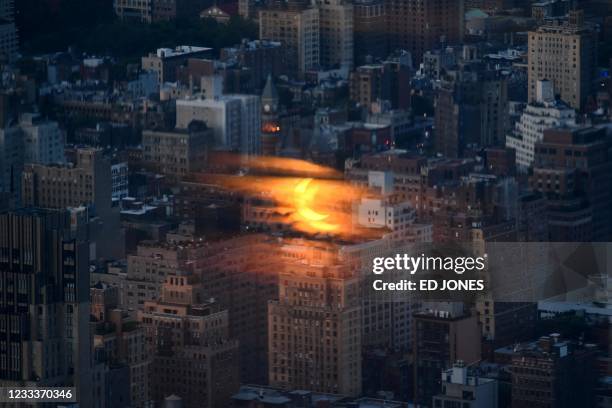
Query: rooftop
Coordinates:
[180,50]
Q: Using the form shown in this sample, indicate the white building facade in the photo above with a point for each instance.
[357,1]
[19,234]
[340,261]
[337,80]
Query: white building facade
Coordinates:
[538,116]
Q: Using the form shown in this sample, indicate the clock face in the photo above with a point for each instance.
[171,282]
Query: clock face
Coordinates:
[267,107]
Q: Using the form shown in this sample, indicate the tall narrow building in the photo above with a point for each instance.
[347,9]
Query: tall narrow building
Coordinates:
[314,329]
[421,25]
[443,334]
[8,31]
[296,26]
[564,51]
[44,296]
[188,337]
[572,170]
[336,33]
[370,30]
[471,109]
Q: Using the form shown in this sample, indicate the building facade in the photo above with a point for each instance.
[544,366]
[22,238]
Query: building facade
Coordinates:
[177,153]
[564,51]
[336,33]
[44,329]
[299,32]
[188,336]
[421,25]
[314,329]
[370,30]
[544,113]
[235,120]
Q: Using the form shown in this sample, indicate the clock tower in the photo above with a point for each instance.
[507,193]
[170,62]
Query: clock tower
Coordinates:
[270,123]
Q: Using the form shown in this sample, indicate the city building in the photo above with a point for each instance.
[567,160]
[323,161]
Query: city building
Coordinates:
[270,120]
[564,51]
[260,57]
[247,8]
[149,11]
[370,31]
[188,338]
[443,334]
[120,181]
[150,265]
[9,42]
[542,10]
[134,10]
[471,110]
[335,33]
[166,61]
[461,389]
[418,26]
[85,185]
[373,84]
[235,120]
[11,163]
[256,396]
[314,329]
[89,180]
[241,273]
[30,140]
[552,372]
[572,170]
[177,153]
[544,113]
[122,341]
[298,30]
[44,335]
[43,140]
[386,209]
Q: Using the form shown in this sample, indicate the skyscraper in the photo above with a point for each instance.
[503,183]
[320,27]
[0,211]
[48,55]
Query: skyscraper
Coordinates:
[370,30]
[297,28]
[572,170]
[421,25]
[314,329]
[471,109]
[8,31]
[44,326]
[564,51]
[336,33]
[188,336]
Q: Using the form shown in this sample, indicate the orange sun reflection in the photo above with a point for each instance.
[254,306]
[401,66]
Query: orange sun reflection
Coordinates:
[295,194]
